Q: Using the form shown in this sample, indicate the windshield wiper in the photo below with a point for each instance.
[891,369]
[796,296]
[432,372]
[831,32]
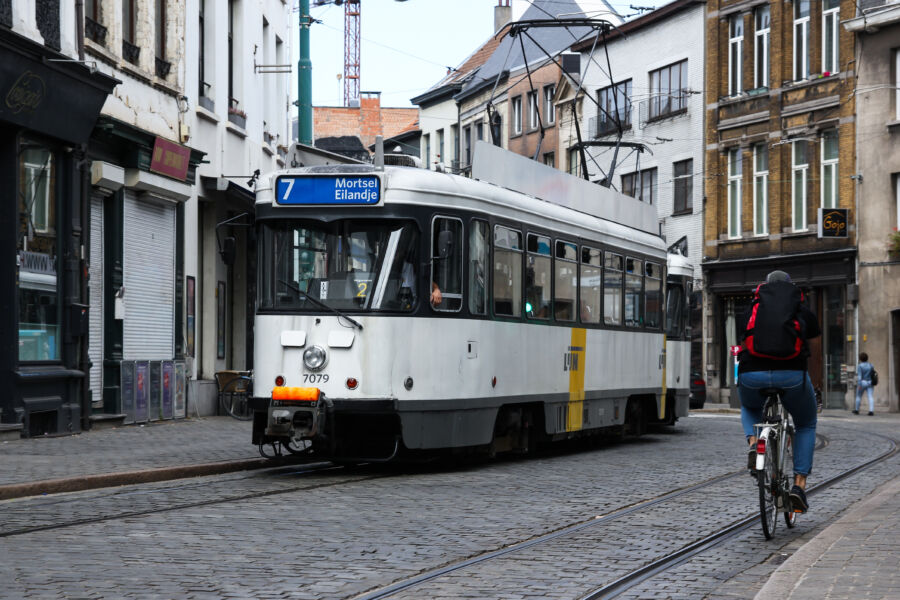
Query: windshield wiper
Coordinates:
[318,303]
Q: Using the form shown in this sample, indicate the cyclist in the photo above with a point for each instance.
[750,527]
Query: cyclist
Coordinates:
[756,373]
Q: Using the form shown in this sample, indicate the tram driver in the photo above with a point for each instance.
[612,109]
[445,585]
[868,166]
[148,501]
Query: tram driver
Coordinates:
[408,284]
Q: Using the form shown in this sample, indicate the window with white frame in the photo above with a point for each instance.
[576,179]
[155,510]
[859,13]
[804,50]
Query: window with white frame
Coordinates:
[683,179]
[549,108]
[573,162]
[799,170]
[440,146]
[734,193]
[830,168]
[760,189]
[762,20]
[830,23]
[668,89]
[426,151]
[614,107]
[897,83]
[517,115]
[801,39]
[735,54]
[532,110]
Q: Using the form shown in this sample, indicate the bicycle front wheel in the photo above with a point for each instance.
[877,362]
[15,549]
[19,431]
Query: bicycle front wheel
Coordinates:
[766,479]
[234,398]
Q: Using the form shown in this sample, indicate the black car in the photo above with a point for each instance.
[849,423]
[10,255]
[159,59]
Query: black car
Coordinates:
[698,390]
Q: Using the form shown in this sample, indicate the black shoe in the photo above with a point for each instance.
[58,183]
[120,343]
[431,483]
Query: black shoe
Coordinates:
[855,412]
[798,500]
[751,459]
[871,414]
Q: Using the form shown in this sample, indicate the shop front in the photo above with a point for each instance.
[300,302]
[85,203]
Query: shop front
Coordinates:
[48,107]
[828,282]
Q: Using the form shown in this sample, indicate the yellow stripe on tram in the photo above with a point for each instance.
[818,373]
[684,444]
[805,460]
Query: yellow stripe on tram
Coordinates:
[575,364]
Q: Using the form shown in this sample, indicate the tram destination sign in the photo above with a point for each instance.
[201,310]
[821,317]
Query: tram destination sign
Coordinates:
[332,189]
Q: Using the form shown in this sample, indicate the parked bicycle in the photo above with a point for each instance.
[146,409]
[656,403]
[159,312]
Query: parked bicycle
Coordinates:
[774,462]
[235,390]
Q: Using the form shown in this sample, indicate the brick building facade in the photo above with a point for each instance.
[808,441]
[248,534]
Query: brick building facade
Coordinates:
[780,182]
[364,122]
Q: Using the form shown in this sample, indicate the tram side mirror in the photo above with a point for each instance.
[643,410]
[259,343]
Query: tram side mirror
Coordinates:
[229,250]
[444,245]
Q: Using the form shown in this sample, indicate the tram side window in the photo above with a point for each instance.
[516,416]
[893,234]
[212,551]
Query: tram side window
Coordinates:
[479,251]
[446,262]
[565,281]
[674,310]
[537,277]
[591,284]
[634,273]
[507,272]
[612,290]
[652,295]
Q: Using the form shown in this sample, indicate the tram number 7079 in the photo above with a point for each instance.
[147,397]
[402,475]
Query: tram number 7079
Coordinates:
[315,378]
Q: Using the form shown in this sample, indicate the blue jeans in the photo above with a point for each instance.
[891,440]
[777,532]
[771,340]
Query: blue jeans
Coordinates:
[864,385]
[799,400]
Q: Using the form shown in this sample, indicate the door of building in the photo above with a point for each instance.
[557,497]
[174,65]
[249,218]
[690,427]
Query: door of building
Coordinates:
[833,341]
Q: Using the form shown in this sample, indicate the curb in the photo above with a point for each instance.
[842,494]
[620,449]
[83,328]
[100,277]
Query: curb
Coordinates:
[90,482]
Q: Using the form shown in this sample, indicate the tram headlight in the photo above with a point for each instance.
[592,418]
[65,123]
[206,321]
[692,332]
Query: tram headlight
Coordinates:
[315,358]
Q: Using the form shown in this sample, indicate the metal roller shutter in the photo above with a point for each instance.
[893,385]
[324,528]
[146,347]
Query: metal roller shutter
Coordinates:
[149,249]
[95,335]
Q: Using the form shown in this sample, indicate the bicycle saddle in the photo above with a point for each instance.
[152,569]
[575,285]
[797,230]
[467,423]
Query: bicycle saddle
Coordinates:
[771,391]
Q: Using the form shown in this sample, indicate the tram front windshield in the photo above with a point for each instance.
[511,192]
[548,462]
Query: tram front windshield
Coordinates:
[348,265]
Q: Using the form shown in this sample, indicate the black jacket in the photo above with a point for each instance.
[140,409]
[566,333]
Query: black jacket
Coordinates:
[747,362]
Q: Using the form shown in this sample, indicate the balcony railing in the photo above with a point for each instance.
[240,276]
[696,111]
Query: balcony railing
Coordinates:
[662,106]
[130,52]
[607,124]
[94,31]
[162,68]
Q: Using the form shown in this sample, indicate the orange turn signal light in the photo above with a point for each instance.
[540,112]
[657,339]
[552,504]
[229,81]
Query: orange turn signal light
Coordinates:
[295,394]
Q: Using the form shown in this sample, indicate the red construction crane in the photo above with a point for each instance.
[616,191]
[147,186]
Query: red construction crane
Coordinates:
[351,50]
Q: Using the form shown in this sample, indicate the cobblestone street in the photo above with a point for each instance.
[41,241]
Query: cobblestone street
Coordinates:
[293,532]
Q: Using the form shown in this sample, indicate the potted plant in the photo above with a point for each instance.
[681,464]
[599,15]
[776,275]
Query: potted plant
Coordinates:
[237,116]
[893,243]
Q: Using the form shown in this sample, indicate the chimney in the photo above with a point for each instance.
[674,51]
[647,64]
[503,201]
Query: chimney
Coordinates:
[502,14]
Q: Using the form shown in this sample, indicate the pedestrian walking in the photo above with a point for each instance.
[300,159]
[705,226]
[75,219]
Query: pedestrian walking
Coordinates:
[864,370]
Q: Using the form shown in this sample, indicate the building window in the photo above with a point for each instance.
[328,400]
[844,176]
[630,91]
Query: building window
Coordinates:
[830,24]
[640,185]
[799,169]
[735,54]
[467,137]
[830,168]
[801,39]
[550,159]
[161,29]
[440,146]
[497,130]
[532,110]
[454,134]
[201,47]
[232,56]
[683,178]
[762,20]
[36,256]
[573,162]
[549,107]
[614,108]
[426,151]
[734,193]
[667,90]
[897,83]
[760,189]
[517,115]
[128,16]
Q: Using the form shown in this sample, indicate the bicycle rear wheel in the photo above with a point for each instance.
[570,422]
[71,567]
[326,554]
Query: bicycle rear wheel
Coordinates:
[766,479]
[234,398]
[790,517]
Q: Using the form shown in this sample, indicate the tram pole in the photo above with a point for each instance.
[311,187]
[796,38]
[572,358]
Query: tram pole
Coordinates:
[304,80]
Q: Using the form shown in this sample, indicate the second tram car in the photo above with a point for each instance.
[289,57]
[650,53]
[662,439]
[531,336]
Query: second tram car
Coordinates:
[401,309]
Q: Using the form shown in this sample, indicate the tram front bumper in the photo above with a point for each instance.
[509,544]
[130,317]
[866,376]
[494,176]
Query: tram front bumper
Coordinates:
[297,421]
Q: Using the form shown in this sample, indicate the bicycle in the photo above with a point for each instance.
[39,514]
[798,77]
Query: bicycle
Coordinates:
[774,462]
[235,390]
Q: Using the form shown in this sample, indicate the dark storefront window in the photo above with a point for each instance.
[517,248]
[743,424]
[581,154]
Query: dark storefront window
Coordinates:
[39,314]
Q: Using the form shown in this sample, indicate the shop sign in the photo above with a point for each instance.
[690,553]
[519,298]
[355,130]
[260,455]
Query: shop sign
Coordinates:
[26,93]
[170,159]
[833,222]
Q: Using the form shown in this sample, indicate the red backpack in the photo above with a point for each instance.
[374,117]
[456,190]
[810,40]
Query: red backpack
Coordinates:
[774,330]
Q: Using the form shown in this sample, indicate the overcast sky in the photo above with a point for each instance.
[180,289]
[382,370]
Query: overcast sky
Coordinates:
[406,47]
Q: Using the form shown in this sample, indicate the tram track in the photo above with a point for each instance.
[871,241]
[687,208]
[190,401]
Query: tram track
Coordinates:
[646,572]
[308,469]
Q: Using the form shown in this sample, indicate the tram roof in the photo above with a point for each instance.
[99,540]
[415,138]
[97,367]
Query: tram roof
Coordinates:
[504,180]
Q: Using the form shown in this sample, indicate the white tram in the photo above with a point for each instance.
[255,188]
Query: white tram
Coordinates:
[552,323]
